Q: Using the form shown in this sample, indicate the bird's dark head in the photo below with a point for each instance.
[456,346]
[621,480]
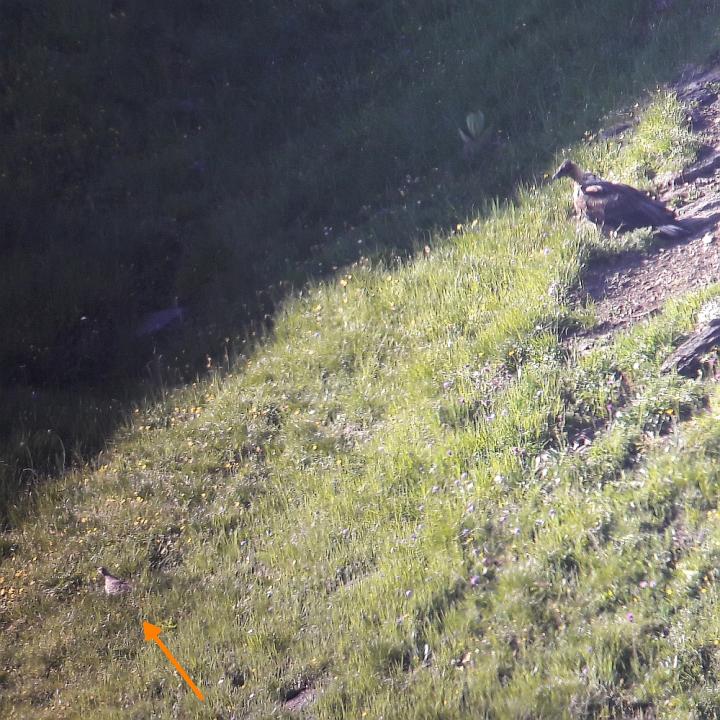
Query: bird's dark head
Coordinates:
[567,169]
[103,571]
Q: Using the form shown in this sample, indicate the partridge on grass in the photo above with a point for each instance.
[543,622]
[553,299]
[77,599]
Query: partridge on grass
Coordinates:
[114,585]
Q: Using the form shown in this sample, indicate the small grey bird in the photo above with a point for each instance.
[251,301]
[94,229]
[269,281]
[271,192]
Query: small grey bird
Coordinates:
[114,585]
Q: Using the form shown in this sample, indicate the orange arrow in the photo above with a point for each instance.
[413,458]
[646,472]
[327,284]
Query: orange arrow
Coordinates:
[152,632]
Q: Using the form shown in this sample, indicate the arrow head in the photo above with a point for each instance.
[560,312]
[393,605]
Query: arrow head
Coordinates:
[152,632]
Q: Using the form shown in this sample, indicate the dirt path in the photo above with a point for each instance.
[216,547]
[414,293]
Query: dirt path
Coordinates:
[633,286]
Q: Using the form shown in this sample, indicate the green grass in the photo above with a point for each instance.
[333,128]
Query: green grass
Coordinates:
[383,501]
[224,153]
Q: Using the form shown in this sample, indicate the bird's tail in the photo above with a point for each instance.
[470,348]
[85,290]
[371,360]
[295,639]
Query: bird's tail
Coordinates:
[683,227]
[672,230]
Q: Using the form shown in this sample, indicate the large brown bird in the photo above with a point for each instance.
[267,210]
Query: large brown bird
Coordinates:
[614,206]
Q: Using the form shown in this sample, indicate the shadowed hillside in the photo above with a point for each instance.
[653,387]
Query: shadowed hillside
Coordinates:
[210,156]
[417,496]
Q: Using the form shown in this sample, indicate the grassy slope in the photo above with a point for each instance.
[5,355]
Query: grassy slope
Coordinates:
[219,153]
[380,502]
[366,507]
